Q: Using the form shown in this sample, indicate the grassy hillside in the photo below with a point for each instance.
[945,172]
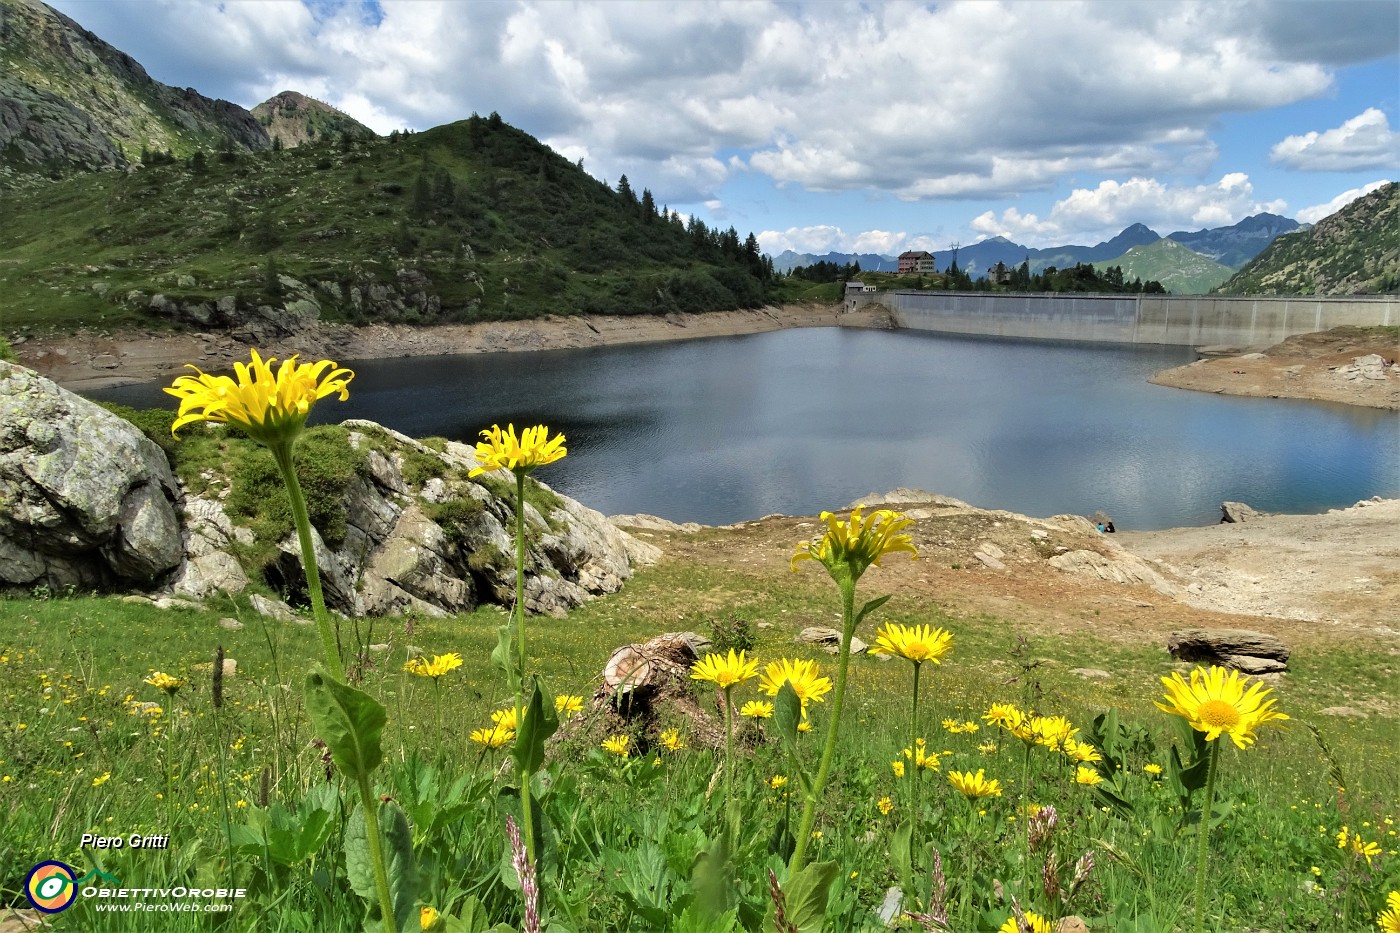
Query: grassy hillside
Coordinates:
[476,220]
[1180,270]
[69,100]
[1354,250]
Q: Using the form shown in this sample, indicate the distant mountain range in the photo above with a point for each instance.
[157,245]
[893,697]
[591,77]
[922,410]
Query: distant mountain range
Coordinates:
[1355,250]
[1229,247]
[69,101]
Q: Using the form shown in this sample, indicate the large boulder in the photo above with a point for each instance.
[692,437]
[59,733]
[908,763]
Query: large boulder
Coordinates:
[1242,649]
[85,498]
[440,542]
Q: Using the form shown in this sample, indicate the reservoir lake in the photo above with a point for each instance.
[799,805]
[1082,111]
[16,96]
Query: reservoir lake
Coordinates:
[796,421]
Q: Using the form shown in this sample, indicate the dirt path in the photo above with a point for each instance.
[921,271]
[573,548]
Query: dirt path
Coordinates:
[87,360]
[1329,366]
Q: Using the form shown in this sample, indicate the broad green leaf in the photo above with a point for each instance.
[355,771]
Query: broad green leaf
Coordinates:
[695,920]
[787,713]
[397,844]
[472,916]
[713,878]
[505,659]
[359,868]
[806,895]
[902,855]
[349,721]
[540,722]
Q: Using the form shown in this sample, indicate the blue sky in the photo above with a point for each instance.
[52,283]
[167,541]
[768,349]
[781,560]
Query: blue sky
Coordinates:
[871,127]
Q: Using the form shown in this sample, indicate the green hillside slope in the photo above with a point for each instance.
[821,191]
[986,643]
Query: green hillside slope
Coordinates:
[471,221]
[1181,271]
[69,100]
[1354,250]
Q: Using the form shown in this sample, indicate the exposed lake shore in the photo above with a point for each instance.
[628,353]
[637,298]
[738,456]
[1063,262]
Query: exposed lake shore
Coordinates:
[1352,365]
[87,361]
[1320,367]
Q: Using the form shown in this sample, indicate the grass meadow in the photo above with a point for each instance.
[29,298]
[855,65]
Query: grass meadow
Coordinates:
[248,800]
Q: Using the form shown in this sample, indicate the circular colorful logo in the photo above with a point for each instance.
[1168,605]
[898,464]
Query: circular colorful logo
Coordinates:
[51,887]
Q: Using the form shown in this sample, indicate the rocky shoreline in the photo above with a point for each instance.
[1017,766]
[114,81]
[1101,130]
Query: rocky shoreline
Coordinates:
[87,361]
[1351,365]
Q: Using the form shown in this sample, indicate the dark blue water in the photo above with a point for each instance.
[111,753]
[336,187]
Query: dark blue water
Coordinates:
[797,421]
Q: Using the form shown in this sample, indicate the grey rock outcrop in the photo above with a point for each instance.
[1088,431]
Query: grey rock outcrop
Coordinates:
[445,544]
[1241,649]
[85,498]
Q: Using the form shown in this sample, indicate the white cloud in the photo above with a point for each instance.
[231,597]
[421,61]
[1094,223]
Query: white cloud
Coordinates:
[1311,215]
[1362,143]
[821,238]
[957,100]
[1093,215]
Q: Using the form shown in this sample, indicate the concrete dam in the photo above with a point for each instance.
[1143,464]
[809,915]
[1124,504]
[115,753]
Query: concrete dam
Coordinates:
[1188,320]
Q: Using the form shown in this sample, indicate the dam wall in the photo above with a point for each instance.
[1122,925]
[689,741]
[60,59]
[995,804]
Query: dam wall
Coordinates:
[1187,320]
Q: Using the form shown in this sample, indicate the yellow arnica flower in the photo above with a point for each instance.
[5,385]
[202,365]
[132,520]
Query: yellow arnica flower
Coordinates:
[507,718]
[725,672]
[1220,702]
[1038,924]
[429,919]
[1358,845]
[494,737]
[163,681]
[918,643]
[804,726]
[1153,769]
[884,805]
[803,677]
[898,768]
[1081,751]
[1053,732]
[671,740]
[502,450]
[1087,776]
[975,785]
[921,756]
[617,744]
[777,781]
[568,705]
[849,547]
[757,709]
[435,668]
[1005,715]
[1389,919]
[270,408]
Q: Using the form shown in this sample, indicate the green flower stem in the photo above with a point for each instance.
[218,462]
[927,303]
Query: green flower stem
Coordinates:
[1203,846]
[730,804]
[527,815]
[376,854]
[913,770]
[282,453]
[809,808]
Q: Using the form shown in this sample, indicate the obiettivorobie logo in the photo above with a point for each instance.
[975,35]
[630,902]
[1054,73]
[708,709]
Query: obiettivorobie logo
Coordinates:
[53,886]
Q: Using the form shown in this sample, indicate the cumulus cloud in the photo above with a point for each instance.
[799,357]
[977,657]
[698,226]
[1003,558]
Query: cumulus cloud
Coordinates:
[957,100]
[1092,215]
[1362,143]
[1311,215]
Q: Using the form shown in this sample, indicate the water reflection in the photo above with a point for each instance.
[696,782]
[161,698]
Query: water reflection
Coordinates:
[797,421]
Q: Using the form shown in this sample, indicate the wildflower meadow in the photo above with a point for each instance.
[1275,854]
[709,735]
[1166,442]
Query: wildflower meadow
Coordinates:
[439,774]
